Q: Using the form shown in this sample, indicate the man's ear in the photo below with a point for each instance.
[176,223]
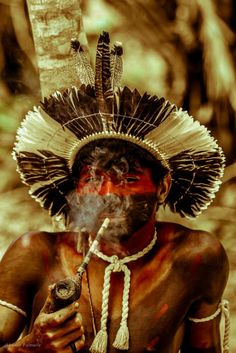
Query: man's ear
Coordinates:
[163,189]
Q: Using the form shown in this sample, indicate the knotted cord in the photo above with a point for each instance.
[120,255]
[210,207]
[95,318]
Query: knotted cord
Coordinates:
[99,344]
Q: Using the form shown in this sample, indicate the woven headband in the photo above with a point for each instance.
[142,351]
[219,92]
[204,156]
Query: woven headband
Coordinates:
[52,135]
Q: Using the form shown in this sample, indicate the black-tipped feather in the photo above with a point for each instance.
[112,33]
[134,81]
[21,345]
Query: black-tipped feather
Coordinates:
[116,65]
[83,66]
[50,170]
[103,88]
[193,179]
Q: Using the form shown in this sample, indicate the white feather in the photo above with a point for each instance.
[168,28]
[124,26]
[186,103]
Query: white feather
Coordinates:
[180,132]
[39,131]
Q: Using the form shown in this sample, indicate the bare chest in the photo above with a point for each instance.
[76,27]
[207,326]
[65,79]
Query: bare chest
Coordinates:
[156,305]
[153,311]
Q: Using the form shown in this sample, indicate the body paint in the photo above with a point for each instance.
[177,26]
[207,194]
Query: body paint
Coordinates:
[196,262]
[152,344]
[164,308]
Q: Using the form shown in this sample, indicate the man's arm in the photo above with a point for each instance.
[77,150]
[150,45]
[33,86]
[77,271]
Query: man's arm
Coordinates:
[204,336]
[52,332]
[23,271]
[11,325]
[24,268]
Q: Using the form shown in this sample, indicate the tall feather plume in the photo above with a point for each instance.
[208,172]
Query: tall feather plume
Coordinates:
[103,88]
[116,65]
[83,66]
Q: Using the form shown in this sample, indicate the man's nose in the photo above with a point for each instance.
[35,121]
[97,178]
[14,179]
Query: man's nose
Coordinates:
[108,187]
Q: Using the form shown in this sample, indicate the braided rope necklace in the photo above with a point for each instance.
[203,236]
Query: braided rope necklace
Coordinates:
[99,344]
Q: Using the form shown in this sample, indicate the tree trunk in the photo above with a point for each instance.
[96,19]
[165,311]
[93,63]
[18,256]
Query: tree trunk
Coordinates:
[54,23]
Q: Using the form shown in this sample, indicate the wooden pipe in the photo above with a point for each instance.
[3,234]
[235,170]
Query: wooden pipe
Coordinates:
[68,290]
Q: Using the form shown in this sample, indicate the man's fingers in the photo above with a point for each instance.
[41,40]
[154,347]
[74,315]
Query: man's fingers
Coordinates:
[58,317]
[79,344]
[74,323]
[48,301]
[63,342]
[65,313]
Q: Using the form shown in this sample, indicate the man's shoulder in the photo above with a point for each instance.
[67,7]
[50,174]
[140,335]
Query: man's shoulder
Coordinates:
[191,240]
[194,246]
[41,238]
[34,240]
[199,255]
[36,244]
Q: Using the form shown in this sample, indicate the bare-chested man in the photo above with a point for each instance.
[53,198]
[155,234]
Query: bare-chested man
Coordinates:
[167,275]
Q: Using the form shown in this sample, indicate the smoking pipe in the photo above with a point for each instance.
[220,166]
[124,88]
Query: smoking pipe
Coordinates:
[68,290]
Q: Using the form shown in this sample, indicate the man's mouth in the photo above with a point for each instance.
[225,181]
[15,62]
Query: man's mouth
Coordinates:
[113,216]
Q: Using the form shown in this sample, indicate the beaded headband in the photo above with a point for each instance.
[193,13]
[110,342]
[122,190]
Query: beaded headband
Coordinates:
[52,135]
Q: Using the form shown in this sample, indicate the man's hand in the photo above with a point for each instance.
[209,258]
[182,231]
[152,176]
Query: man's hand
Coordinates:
[53,332]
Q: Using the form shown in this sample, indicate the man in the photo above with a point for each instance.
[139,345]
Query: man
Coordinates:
[105,152]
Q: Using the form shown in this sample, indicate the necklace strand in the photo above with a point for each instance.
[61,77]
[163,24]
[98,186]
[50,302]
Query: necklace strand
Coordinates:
[99,344]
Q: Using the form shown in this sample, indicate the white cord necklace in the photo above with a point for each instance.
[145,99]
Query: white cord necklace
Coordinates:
[99,344]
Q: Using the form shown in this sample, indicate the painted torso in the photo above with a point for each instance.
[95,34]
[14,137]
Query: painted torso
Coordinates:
[163,286]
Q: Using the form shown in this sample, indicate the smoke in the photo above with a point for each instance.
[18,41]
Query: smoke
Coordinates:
[89,210]
[89,206]
[127,213]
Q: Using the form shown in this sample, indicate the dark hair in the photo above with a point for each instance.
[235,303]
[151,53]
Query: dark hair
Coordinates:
[109,152]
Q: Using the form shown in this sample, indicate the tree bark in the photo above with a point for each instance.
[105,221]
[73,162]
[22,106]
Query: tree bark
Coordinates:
[54,23]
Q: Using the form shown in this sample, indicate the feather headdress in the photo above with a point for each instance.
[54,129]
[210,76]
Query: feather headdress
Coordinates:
[52,135]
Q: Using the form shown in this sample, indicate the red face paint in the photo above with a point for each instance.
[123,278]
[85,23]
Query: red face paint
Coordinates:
[164,308]
[103,182]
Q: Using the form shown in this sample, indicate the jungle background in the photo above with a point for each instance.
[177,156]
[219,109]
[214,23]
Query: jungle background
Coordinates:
[183,50]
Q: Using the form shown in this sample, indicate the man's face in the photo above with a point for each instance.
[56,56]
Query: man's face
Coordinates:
[128,198]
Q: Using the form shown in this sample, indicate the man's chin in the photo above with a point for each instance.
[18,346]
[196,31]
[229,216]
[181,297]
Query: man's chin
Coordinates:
[119,230]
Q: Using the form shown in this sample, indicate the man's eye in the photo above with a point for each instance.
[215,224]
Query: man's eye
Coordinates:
[132,179]
[87,179]
[90,179]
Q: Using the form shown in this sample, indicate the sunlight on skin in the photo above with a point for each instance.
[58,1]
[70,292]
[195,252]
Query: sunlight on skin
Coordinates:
[26,240]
